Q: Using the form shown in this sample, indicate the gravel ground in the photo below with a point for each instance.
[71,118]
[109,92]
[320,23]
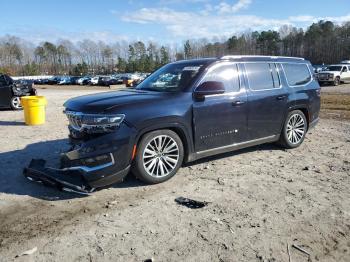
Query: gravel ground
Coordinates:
[260,200]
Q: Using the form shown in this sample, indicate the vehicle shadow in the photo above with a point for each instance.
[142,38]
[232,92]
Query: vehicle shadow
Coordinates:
[11,123]
[12,164]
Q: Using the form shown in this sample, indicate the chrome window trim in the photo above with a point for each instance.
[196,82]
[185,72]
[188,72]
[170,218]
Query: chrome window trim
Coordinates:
[278,75]
[238,145]
[285,75]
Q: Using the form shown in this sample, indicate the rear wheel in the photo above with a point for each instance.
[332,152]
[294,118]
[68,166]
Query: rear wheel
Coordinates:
[159,156]
[16,103]
[294,129]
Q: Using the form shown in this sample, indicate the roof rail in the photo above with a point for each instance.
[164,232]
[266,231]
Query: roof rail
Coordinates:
[258,56]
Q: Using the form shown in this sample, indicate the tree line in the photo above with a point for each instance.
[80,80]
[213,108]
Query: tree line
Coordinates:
[322,42]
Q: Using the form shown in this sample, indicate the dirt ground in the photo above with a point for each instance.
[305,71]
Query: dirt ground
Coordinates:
[261,199]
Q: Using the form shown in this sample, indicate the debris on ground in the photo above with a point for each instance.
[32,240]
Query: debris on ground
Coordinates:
[190,203]
[301,250]
[220,182]
[288,251]
[28,252]
[217,220]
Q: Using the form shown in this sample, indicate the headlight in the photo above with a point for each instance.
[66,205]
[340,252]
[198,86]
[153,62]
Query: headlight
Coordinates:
[94,123]
[330,75]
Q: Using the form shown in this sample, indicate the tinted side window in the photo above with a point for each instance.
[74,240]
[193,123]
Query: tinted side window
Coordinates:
[297,74]
[227,74]
[260,76]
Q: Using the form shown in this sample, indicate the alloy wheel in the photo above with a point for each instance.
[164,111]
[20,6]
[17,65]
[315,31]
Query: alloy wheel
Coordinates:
[295,129]
[16,102]
[161,156]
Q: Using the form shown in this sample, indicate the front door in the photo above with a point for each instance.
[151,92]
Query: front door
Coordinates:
[5,92]
[345,74]
[221,120]
[267,100]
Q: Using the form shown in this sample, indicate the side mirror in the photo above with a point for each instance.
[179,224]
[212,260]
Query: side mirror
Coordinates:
[209,88]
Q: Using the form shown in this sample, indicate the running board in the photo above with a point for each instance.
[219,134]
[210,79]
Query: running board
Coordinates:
[65,180]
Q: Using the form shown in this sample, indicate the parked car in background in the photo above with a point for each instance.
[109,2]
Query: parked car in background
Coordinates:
[69,80]
[97,80]
[345,62]
[42,81]
[105,81]
[115,80]
[201,108]
[319,68]
[54,80]
[334,74]
[130,80]
[11,91]
[84,80]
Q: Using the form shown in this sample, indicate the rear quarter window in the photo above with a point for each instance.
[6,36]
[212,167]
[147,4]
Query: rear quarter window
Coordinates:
[297,74]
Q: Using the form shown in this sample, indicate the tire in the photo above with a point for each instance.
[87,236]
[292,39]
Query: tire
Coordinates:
[336,81]
[294,130]
[152,165]
[15,103]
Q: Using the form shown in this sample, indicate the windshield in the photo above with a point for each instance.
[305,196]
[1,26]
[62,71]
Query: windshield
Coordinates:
[171,77]
[334,68]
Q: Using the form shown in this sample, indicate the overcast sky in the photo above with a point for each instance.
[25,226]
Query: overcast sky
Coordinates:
[161,20]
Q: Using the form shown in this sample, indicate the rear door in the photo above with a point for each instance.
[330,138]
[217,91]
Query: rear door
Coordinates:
[267,100]
[221,120]
[5,92]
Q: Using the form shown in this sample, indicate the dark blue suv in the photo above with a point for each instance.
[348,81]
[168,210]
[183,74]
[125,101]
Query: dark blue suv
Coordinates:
[189,110]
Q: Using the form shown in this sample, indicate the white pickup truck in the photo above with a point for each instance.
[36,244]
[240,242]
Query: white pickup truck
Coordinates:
[335,74]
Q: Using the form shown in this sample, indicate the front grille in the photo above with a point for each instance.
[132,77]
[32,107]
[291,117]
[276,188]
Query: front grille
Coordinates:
[75,119]
[323,76]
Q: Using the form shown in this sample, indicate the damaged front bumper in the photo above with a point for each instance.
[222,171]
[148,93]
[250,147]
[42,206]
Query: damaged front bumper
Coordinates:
[92,163]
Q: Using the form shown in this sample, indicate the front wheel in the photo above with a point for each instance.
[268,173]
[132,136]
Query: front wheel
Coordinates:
[294,129]
[15,103]
[159,155]
[336,81]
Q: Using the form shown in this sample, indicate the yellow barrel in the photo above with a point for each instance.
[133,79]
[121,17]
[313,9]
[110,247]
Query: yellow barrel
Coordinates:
[34,109]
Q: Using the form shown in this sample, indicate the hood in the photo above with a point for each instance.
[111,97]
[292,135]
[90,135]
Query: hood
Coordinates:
[109,101]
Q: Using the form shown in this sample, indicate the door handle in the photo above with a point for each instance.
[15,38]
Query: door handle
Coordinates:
[281,97]
[237,103]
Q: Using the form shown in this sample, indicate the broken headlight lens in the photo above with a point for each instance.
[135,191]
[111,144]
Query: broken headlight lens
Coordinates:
[94,123]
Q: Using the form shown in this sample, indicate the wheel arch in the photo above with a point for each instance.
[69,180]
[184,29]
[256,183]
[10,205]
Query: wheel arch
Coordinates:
[304,109]
[178,128]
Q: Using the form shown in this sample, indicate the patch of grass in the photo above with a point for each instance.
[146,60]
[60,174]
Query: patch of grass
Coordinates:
[335,105]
